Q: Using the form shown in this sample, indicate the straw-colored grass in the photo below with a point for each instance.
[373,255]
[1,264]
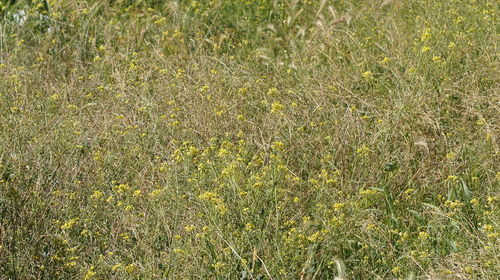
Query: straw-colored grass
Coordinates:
[249,139]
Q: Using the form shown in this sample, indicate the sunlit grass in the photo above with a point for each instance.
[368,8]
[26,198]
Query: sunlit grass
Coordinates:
[249,140]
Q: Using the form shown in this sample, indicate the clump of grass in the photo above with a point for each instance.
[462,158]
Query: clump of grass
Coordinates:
[249,140]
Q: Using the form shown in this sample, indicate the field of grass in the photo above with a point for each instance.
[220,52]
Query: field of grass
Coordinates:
[249,139]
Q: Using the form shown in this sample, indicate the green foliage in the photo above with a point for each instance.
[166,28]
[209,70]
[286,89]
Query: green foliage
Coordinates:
[250,139]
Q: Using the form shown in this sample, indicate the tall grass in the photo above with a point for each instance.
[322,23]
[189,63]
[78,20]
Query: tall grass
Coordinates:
[251,139]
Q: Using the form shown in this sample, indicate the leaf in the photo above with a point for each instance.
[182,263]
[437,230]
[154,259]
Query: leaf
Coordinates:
[377,189]
[435,208]
[418,216]
[385,3]
[410,276]
[244,275]
[390,166]
[421,142]
[340,270]
[466,191]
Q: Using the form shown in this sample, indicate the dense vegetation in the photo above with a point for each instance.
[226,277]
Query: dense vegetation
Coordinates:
[249,139]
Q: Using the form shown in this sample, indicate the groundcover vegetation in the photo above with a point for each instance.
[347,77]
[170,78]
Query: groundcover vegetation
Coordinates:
[249,139]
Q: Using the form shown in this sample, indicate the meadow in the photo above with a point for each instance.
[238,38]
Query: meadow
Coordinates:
[249,139]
